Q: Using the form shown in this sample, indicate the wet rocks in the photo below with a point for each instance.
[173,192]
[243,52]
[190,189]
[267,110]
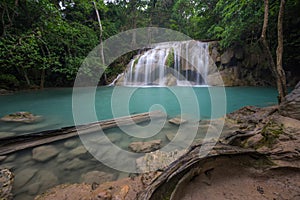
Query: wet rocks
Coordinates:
[170,80]
[6,183]
[170,136]
[177,121]
[6,134]
[69,144]
[74,164]
[114,137]
[2,158]
[157,160]
[23,117]
[46,179]
[145,147]
[24,177]
[96,177]
[78,152]
[44,153]
[5,92]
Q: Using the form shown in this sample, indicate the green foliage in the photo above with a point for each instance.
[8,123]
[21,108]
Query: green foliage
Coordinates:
[8,81]
[238,21]
[40,36]
[170,59]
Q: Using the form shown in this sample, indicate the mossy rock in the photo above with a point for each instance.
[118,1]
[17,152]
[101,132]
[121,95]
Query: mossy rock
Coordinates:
[270,132]
[22,117]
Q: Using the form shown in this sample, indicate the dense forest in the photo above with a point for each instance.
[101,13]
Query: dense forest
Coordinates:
[43,42]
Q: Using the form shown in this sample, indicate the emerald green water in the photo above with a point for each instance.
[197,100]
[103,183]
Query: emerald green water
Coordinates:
[32,177]
[55,105]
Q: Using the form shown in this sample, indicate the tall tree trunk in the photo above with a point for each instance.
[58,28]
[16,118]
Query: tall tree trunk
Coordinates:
[42,82]
[101,42]
[281,79]
[133,41]
[43,72]
[26,76]
[274,69]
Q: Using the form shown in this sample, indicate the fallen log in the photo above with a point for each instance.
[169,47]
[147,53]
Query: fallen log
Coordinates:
[20,142]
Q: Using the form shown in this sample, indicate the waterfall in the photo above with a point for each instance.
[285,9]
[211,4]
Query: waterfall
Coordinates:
[170,63]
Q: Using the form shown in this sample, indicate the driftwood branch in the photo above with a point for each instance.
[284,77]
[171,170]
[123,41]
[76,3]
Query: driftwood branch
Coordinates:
[16,143]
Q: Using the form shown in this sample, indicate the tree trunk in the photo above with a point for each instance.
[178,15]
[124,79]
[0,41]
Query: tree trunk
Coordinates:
[26,76]
[277,72]
[263,39]
[43,72]
[281,79]
[42,83]
[134,23]
[101,42]
[266,20]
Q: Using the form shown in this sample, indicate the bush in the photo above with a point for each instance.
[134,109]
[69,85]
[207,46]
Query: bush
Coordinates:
[8,81]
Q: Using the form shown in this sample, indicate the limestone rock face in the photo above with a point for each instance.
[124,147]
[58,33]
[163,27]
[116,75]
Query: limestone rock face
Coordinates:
[291,106]
[170,80]
[227,56]
[145,147]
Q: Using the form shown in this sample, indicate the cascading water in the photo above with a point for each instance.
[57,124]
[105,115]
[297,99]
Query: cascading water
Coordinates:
[172,63]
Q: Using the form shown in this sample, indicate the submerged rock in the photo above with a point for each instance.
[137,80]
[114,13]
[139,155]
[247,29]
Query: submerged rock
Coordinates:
[71,143]
[24,177]
[145,147]
[177,121]
[170,136]
[78,152]
[2,158]
[6,184]
[46,179]
[6,134]
[74,164]
[44,153]
[23,117]
[96,177]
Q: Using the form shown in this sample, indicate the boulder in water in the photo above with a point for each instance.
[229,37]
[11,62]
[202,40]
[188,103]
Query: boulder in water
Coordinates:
[23,117]
[44,153]
[24,177]
[145,147]
[177,121]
